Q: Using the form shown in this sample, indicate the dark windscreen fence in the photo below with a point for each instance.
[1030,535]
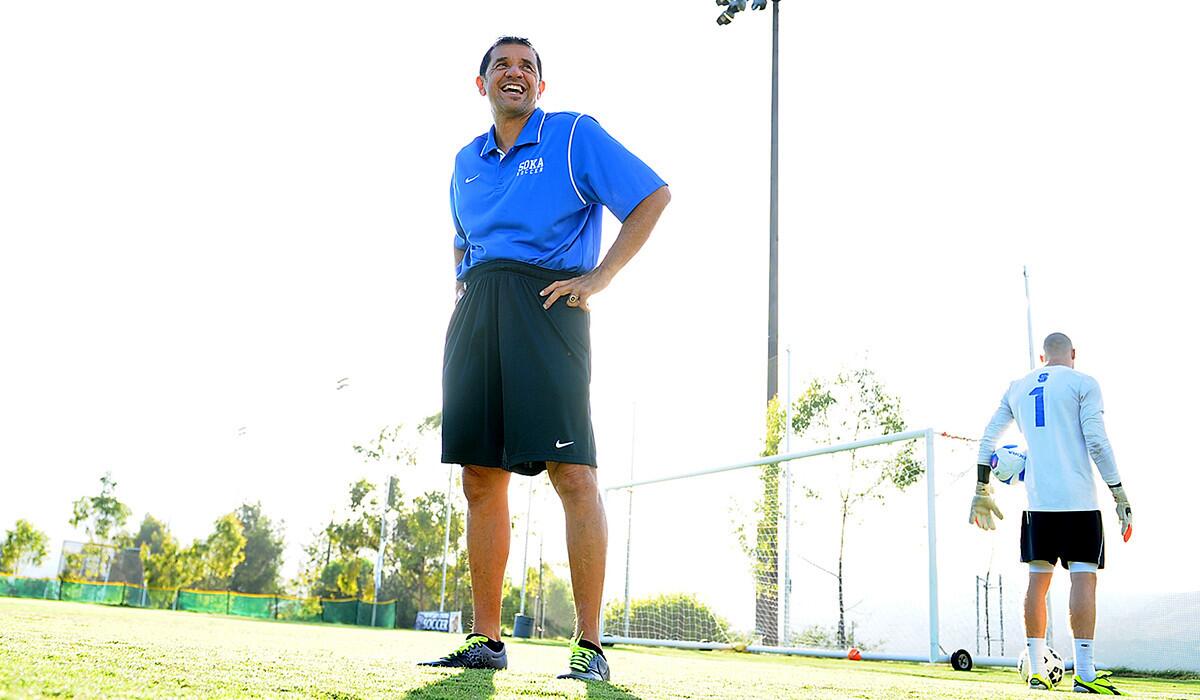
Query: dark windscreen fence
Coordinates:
[88,592]
[203,601]
[20,587]
[298,609]
[252,605]
[344,611]
[377,614]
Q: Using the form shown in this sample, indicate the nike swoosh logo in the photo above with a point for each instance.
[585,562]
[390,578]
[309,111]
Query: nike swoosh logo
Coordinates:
[561,445]
[470,179]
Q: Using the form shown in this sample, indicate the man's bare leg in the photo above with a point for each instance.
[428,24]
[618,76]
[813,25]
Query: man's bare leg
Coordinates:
[1083,623]
[488,535]
[1035,622]
[1035,605]
[587,541]
[1083,605]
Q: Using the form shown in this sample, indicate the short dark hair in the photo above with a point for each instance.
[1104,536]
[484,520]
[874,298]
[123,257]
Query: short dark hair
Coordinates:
[487,57]
[1057,344]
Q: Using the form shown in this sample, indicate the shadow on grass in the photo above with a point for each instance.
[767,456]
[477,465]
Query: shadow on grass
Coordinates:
[466,684]
[608,691]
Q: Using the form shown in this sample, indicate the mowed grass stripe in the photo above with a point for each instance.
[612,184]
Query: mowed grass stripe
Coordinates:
[48,648]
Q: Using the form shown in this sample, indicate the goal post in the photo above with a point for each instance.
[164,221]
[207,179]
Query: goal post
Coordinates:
[701,565]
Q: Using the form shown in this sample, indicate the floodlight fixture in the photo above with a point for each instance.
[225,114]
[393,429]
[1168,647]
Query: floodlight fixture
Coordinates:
[732,7]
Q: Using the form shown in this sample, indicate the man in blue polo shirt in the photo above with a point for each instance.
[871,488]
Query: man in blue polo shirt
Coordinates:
[526,200]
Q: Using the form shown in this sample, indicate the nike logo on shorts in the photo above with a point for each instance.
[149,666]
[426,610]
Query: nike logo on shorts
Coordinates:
[470,179]
[561,445]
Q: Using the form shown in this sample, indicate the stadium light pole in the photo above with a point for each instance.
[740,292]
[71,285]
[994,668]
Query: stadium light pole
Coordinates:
[732,7]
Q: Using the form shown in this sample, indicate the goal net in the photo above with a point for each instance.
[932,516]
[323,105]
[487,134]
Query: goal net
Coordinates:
[859,545]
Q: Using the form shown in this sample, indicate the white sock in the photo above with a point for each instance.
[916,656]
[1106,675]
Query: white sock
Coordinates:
[1085,659]
[1037,650]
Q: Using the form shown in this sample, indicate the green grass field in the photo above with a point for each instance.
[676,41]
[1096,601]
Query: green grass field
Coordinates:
[48,648]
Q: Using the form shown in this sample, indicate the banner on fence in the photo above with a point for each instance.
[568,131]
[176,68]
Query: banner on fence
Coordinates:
[440,621]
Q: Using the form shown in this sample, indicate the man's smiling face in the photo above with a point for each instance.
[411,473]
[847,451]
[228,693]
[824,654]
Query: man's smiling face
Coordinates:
[512,83]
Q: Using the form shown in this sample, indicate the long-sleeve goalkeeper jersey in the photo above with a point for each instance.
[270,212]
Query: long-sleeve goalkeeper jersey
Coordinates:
[1061,415]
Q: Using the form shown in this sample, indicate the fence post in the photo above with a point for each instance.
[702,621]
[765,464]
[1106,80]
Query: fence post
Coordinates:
[276,615]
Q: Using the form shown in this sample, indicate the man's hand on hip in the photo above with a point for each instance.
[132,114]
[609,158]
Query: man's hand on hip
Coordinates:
[983,507]
[577,290]
[1124,512]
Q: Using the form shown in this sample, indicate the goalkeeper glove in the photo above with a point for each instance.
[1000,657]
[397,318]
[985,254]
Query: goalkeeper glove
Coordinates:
[1124,513]
[983,506]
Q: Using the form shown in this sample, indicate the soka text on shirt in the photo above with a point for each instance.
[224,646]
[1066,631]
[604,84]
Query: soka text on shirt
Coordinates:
[533,166]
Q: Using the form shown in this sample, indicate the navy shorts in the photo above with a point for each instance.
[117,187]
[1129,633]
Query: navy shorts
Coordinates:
[516,376]
[1063,537]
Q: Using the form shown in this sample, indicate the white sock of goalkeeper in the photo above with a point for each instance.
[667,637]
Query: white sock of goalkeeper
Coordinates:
[1085,660]
[1037,651]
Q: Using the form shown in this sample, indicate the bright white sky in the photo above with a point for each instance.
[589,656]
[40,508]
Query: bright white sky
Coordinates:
[212,212]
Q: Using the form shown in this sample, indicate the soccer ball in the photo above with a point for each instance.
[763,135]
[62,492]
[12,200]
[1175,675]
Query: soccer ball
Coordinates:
[1051,662]
[1008,463]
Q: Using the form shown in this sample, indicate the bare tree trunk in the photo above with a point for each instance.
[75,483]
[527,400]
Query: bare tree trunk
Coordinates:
[841,631]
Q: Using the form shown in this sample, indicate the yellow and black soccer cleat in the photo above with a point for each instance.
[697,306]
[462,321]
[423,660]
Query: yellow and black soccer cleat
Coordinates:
[1101,686]
[1038,682]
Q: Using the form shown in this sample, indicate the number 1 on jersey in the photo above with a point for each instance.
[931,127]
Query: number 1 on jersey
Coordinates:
[1039,406]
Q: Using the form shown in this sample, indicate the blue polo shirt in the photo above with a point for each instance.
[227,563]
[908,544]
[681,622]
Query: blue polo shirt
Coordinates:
[540,203]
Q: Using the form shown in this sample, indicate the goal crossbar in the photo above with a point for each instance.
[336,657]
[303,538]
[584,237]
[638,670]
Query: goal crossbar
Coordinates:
[776,459]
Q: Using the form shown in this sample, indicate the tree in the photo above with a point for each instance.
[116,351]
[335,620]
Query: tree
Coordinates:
[151,533]
[24,543]
[393,443]
[412,558]
[100,515]
[341,556]
[344,578]
[853,406]
[340,565]
[259,571]
[209,562]
[167,565]
[222,551]
[417,544]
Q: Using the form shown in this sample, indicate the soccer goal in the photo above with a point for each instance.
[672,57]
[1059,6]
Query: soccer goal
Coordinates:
[861,545]
[100,573]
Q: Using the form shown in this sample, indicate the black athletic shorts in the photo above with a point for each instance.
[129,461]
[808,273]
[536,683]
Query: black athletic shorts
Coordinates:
[515,376]
[1063,537]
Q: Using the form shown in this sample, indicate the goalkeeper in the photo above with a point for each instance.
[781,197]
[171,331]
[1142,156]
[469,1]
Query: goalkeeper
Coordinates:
[1061,414]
